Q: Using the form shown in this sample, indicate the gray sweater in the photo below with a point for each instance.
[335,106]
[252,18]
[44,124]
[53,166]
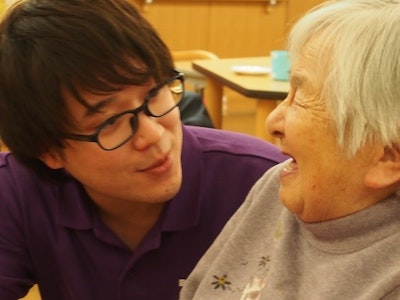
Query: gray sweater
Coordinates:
[265,252]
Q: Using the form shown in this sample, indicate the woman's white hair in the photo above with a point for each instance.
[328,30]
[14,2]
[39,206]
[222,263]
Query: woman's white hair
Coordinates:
[360,61]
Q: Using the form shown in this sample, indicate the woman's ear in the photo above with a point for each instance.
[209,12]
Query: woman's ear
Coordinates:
[52,159]
[385,169]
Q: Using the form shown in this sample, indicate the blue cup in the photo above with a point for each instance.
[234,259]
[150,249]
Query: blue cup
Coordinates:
[280,65]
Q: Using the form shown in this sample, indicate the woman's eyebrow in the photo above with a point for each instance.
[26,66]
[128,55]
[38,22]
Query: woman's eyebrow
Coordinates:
[297,80]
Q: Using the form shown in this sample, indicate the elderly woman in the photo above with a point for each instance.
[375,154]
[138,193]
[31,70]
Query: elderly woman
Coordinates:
[326,223]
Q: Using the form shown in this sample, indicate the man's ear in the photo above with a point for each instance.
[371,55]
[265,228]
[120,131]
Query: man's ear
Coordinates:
[52,159]
[385,170]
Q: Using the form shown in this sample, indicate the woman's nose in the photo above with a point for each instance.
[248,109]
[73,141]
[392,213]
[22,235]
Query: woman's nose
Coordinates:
[275,121]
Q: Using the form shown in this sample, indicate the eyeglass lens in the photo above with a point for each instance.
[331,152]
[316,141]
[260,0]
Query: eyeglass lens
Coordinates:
[121,128]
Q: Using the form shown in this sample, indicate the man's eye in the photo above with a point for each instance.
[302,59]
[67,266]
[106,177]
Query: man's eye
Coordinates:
[109,122]
[153,93]
[104,124]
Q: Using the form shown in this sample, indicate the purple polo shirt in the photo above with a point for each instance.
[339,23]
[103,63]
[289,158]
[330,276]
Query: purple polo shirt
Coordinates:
[51,235]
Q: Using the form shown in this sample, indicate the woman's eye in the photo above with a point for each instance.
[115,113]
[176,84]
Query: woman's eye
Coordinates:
[299,103]
[297,99]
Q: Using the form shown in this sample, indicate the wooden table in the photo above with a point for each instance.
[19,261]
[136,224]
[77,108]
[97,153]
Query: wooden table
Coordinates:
[262,88]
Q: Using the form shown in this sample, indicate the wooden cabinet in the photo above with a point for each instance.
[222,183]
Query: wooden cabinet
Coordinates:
[245,29]
[229,28]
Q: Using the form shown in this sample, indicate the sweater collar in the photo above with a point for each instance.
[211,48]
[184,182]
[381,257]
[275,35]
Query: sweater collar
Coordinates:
[355,231]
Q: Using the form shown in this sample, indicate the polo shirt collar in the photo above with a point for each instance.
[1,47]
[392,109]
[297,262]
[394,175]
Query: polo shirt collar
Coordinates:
[183,210]
[74,208]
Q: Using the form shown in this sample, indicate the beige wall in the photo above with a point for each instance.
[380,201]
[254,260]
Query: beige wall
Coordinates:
[229,28]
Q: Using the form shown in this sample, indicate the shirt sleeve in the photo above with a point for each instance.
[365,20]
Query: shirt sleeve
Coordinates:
[16,275]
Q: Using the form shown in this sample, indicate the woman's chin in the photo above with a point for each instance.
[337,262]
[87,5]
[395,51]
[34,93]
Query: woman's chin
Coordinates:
[289,198]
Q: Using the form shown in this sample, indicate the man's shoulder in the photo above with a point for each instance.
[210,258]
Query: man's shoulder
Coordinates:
[216,140]
[14,175]
[8,164]
[3,158]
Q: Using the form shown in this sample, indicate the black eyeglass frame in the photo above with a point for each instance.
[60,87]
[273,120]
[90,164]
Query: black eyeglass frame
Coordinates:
[144,107]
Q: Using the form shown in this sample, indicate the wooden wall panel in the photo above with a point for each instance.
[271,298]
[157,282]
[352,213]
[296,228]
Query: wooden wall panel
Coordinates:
[297,8]
[181,25]
[246,29]
[228,28]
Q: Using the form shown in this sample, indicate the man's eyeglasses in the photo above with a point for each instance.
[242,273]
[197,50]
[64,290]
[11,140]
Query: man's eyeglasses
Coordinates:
[117,130]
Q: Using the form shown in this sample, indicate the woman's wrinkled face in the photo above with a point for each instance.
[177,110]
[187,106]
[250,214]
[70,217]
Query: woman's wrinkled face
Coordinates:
[145,169]
[320,182]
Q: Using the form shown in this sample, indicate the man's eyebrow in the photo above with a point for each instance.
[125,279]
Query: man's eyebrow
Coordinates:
[93,109]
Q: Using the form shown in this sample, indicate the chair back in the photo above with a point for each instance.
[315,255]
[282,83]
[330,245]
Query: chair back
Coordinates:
[183,62]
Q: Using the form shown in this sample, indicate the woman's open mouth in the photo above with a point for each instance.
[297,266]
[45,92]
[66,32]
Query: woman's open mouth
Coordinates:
[290,168]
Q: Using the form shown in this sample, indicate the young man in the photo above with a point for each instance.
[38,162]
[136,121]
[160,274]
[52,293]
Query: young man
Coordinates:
[105,195]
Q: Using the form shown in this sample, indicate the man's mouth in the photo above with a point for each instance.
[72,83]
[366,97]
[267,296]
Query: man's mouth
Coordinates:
[160,166]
